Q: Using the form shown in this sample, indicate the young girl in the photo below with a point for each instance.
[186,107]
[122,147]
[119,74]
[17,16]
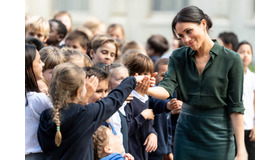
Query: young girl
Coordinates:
[35,102]
[74,56]
[246,53]
[65,132]
[102,48]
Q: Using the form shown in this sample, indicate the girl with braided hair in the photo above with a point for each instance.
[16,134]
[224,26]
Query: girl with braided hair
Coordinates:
[65,132]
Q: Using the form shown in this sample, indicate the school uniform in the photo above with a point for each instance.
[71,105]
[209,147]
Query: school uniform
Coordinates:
[204,129]
[78,123]
[138,127]
[113,156]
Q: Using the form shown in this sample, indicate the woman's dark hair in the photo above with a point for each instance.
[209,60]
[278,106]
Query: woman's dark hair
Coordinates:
[35,42]
[30,78]
[245,42]
[190,14]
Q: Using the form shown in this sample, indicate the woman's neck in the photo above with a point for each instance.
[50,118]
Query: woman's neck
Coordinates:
[205,48]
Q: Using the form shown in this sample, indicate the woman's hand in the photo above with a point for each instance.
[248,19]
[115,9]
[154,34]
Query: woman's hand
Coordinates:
[151,143]
[148,114]
[241,156]
[252,135]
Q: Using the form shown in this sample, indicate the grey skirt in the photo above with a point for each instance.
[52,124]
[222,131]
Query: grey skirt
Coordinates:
[204,135]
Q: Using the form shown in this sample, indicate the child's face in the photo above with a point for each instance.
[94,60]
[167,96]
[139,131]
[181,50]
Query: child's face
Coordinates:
[48,75]
[38,66]
[160,76]
[37,34]
[101,91]
[76,45]
[114,142]
[106,54]
[149,50]
[116,33]
[245,54]
[53,36]
[117,76]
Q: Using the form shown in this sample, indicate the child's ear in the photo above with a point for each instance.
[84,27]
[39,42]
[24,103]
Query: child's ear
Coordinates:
[91,53]
[60,37]
[108,150]
[45,39]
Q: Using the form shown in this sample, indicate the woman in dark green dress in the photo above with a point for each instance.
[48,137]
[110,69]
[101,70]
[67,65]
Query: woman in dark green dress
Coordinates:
[208,78]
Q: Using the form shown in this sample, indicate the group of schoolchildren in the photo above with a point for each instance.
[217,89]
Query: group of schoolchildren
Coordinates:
[86,92]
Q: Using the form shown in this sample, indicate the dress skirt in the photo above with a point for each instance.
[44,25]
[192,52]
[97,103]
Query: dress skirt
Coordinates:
[204,135]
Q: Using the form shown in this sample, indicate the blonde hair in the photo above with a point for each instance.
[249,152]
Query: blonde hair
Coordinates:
[100,140]
[38,23]
[93,24]
[66,80]
[71,54]
[51,56]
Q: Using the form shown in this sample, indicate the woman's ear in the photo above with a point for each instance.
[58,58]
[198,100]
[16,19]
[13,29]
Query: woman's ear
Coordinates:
[108,150]
[204,23]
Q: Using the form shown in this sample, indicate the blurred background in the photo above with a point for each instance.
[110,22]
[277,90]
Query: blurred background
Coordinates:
[142,18]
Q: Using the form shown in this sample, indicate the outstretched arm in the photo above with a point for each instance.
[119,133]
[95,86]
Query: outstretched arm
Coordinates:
[158,92]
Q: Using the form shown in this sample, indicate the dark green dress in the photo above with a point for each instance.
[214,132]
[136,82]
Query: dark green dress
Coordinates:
[204,129]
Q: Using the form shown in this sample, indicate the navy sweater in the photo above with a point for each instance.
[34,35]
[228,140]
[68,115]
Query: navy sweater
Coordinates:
[78,123]
[138,127]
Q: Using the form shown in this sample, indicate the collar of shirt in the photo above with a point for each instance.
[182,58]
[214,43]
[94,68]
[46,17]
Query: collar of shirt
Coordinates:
[140,97]
[215,50]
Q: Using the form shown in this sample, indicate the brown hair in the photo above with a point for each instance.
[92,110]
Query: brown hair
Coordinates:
[98,41]
[114,26]
[162,61]
[79,36]
[51,56]
[139,63]
[71,54]
[66,80]
[100,140]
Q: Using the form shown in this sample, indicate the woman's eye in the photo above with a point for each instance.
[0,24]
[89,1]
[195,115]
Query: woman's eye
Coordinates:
[189,31]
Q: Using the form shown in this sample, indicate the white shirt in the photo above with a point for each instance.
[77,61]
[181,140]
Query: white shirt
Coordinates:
[248,99]
[37,103]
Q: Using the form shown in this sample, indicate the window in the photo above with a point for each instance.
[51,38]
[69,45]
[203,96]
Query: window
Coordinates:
[169,5]
[66,5]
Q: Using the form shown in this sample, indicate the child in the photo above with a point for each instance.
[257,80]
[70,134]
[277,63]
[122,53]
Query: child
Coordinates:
[140,112]
[57,33]
[246,53]
[74,56]
[36,42]
[65,132]
[162,121]
[77,40]
[50,56]
[66,19]
[95,25]
[35,102]
[132,45]
[228,40]
[108,146]
[116,31]
[37,27]
[156,46]
[102,48]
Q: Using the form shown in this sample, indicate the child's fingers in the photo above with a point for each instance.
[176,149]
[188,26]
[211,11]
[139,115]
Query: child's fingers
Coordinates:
[154,74]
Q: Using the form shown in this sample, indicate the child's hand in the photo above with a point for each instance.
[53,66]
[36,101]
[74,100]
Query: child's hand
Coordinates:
[143,87]
[129,98]
[151,143]
[168,156]
[153,79]
[148,114]
[91,86]
[128,156]
[174,104]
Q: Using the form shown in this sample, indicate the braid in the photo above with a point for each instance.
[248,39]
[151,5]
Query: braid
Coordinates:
[58,136]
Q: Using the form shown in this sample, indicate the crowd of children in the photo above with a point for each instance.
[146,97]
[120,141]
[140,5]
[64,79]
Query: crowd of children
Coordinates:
[86,92]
